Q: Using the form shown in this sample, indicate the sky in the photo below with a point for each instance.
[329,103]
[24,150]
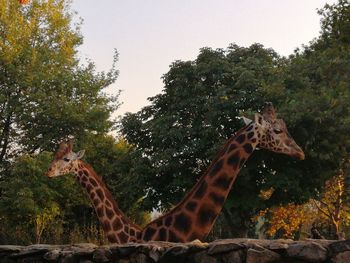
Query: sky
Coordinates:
[151,34]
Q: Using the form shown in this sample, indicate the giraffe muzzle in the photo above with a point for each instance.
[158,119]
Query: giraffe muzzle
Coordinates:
[300,155]
[50,174]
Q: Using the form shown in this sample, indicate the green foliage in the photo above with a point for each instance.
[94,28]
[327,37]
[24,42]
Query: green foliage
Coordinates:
[34,208]
[45,93]
[335,23]
[30,201]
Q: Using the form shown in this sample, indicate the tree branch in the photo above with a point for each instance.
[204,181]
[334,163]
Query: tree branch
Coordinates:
[320,209]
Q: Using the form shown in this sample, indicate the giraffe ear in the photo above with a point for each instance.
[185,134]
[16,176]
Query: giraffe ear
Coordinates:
[80,154]
[246,120]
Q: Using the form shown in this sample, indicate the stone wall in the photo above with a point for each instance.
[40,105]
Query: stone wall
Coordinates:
[225,251]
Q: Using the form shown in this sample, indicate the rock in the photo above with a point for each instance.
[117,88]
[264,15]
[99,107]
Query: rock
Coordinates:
[155,253]
[256,247]
[322,242]
[88,246]
[259,244]
[139,258]
[278,245]
[203,257]
[101,255]
[123,250]
[52,256]
[145,248]
[83,249]
[236,256]
[69,258]
[261,256]
[42,247]
[175,254]
[223,247]
[80,252]
[343,257]
[340,246]
[30,252]
[160,244]
[178,250]
[8,250]
[311,252]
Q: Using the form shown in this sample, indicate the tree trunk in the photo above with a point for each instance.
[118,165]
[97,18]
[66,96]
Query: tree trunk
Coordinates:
[4,140]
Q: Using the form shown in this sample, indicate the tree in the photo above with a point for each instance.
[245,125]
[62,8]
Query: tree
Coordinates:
[329,213]
[335,24]
[288,221]
[45,93]
[35,209]
[333,205]
[42,220]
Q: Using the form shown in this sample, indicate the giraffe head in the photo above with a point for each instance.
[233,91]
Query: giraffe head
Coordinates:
[64,160]
[274,135]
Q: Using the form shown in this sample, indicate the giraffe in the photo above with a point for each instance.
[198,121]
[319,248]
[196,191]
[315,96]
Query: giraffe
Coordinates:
[195,215]
[117,227]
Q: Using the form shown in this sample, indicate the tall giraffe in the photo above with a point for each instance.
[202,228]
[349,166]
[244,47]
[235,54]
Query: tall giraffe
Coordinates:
[117,227]
[195,215]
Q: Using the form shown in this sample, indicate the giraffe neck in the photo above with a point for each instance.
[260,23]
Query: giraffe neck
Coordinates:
[195,215]
[117,227]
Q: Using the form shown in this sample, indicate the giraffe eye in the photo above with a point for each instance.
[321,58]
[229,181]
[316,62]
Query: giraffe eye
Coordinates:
[66,159]
[277,131]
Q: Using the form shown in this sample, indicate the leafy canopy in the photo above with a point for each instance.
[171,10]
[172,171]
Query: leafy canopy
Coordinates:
[45,93]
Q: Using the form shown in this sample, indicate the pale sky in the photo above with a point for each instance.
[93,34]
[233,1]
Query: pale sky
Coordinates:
[151,34]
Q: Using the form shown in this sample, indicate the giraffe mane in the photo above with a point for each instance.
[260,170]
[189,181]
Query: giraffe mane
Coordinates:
[108,194]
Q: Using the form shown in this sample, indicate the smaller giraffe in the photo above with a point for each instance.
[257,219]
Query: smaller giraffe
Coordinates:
[117,227]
